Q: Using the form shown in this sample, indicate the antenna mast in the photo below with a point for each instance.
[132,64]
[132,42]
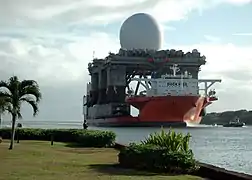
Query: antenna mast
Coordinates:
[93,54]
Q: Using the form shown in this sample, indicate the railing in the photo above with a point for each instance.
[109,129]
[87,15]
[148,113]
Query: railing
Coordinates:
[151,90]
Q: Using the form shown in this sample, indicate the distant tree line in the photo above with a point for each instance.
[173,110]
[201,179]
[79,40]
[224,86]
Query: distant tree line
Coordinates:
[226,116]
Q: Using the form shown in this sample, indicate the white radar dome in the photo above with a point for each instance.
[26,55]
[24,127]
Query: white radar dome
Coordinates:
[140,31]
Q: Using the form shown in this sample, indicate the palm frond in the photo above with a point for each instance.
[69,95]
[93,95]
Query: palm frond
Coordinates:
[5,85]
[2,105]
[33,103]
[30,87]
[9,108]
[5,101]
[13,84]
[5,95]
[19,115]
[26,83]
[13,79]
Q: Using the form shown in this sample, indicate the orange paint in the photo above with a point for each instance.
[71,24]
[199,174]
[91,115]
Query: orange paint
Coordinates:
[169,108]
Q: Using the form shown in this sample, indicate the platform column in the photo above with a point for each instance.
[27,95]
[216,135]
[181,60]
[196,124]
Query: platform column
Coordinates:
[102,87]
[94,89]
[109,90]
[116,83]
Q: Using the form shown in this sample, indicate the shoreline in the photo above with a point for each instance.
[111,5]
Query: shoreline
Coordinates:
[229,160]
[210,171]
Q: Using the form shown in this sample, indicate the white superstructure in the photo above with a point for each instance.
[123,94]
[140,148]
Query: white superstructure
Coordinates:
[176,84]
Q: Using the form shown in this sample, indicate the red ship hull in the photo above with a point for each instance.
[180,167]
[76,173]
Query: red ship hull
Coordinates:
[172,111]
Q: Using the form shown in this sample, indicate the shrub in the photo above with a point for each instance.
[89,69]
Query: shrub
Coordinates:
[162,152]
[85,138]
[94,138]
[157,159]
[172,141]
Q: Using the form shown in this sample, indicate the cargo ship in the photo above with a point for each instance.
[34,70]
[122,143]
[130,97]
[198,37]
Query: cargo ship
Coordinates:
[170,93]
[162,84]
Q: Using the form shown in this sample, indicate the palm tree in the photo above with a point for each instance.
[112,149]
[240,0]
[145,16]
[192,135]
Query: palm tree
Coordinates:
[14,92]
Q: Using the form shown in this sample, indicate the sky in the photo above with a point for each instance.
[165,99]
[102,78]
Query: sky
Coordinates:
[53,41]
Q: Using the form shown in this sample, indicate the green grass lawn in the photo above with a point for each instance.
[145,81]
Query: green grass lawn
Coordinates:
[37,160]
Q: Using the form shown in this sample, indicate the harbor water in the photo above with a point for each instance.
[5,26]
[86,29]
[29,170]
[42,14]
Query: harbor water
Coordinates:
[230,148]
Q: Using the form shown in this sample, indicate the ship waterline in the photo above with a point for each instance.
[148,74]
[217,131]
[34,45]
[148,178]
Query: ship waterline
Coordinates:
[130,121]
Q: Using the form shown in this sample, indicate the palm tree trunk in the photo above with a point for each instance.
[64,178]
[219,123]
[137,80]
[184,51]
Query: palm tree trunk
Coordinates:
[0,119]
[12,131]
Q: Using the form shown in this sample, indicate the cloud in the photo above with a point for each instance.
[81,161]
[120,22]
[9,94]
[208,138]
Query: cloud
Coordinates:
[212,38]
[242,34]
[222,57]
[65,12]
[53,41]
[62,71]
[50,62]
[237,2]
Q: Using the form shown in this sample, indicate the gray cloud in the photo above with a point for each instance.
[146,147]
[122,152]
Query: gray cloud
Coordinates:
[60,13]
[38,40]
[61,70]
